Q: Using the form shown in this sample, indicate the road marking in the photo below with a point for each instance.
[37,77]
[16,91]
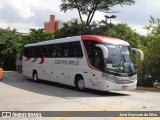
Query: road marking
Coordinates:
[69,114]
[136,118]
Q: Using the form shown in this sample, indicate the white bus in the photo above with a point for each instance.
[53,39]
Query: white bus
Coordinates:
[86,61]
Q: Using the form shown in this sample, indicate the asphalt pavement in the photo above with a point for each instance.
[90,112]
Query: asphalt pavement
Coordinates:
[18,93]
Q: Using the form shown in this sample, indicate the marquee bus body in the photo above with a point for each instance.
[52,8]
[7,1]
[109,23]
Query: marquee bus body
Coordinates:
[86,61]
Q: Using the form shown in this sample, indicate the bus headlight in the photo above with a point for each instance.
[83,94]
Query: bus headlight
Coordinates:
[111,78]
[134,77]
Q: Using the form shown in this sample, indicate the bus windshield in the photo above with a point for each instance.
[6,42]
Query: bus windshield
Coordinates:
[120,59]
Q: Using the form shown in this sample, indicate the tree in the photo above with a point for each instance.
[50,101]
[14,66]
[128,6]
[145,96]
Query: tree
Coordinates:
[37,35]
[10,41]
[149,68]
[124,32]
[121,31]
[73,30]
[152,54]
[89,7]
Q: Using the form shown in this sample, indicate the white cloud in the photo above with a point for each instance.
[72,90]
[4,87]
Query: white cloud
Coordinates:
[23,14]
[0,6]
[138,28]
[22,9]
[3,24]
[21,27]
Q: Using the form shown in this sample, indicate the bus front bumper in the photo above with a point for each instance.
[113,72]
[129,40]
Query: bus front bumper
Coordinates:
[111,86]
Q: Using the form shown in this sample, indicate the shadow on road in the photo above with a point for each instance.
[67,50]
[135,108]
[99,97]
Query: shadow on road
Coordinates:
[52,88]
[96,92]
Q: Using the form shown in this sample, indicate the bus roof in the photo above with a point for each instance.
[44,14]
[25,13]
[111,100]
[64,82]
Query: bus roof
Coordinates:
[104,39]
[54,41]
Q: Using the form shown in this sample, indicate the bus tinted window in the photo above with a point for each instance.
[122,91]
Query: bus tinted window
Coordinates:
[89,45]
[70,49]
[94,53]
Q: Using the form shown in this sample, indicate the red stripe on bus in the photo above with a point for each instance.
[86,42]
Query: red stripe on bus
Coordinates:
[42,61]
[27,59]
[105,39]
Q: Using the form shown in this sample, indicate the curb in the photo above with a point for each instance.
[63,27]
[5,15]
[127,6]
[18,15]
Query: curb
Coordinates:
[149,89]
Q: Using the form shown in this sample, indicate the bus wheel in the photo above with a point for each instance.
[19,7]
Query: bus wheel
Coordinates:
[35,76]
[80,84]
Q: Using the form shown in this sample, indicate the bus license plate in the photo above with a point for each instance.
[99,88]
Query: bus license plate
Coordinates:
[124,87]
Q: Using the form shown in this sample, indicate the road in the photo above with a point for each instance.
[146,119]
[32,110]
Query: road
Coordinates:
[18,93]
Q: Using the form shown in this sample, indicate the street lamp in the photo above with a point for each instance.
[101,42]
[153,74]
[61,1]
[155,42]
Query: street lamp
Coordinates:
[110,17]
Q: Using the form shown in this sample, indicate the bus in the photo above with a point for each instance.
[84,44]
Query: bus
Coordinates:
[85,61]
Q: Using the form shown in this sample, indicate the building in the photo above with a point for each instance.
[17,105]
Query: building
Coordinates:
[73,20]
[53,25]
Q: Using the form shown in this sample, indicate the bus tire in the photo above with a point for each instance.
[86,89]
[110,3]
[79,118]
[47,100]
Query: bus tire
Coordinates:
[35,76]
[80,84]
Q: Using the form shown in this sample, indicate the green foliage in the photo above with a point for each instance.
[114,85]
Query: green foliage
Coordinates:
[89,7]
[73,30]
[37,36]
[12,42]
[152,55]
[122,31]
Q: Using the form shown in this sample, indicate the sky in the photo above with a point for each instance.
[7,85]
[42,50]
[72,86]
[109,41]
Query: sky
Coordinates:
[25,14]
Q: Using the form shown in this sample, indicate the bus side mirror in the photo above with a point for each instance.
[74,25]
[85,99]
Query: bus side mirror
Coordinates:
[104,49]
[140,53]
